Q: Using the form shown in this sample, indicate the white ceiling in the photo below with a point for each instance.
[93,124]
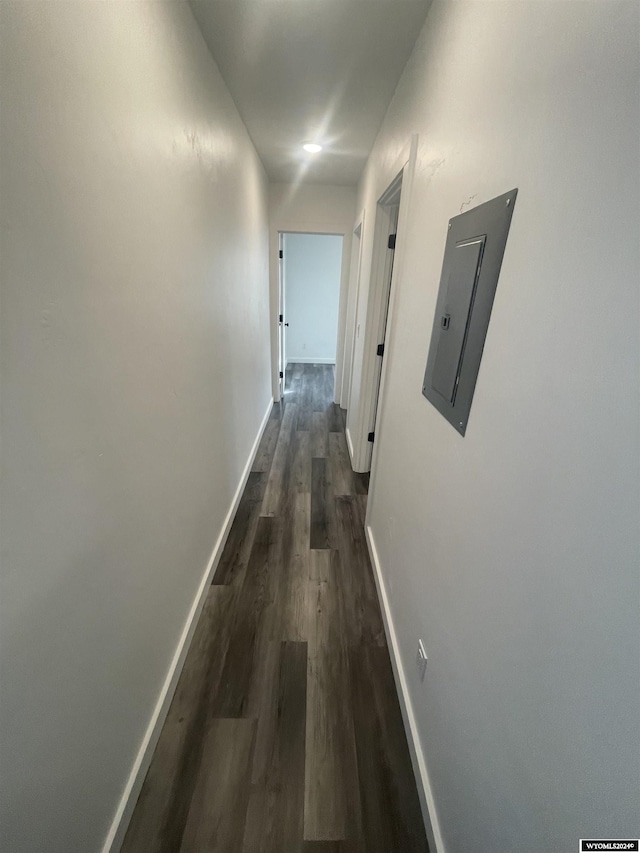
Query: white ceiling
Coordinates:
[311,70]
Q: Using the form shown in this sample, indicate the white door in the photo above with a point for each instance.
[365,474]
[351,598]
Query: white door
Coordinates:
[282,361]
[386,296]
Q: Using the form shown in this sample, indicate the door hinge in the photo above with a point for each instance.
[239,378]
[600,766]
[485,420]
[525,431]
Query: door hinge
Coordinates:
[281,254]
[280,318]
[370,436]
[380,350]
[281,375]
[392,241]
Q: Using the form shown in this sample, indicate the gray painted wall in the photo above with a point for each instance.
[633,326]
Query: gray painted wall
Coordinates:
[135,375]
[515,551]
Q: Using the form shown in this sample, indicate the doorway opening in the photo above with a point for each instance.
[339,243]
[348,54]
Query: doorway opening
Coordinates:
[310,267]
[351,310]
[389,212]
[363,418]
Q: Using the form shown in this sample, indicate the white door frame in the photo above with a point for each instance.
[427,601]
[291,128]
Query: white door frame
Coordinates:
[282,355]
[281,310]
[351,311]
[388,206]
[363,453]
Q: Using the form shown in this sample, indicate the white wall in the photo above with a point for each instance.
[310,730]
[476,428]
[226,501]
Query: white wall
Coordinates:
[312,267]
[514,552]
[135,375]
[311,208]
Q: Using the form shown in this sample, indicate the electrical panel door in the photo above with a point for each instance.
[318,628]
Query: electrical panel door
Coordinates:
[472,259]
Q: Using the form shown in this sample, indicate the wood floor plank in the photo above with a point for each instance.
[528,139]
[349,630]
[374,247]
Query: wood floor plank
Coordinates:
[306,399]
[389,800]
[264,707]
[299,471]
[216,819]
[341,473]
[288,375]
[277,412]
[322,382]
[279,466]
[332,805]
[359,594]
[362,481]
[397,751]
[296,475]
[253,606]
[320,565]
[361,504]
[319,435]
[319,522]
[294,382]
[334,418]
[275,813]
[319,400]
[237,549]
[267,446]
[291,586]
[158,820]
[323,522]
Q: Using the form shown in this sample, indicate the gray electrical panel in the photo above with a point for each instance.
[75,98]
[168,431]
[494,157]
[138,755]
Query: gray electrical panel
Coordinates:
[472,258]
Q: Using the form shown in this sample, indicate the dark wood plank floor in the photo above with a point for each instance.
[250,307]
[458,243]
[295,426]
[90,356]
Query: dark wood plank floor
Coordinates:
[285,733]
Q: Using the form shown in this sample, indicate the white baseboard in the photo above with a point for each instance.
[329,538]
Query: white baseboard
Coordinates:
[349,444]
[127,803]
[292,360]
[425,794]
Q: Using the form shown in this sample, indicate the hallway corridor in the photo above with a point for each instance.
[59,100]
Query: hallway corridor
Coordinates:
[285,732]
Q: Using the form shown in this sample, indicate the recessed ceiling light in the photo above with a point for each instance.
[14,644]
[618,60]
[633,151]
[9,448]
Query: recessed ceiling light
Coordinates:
[312,147]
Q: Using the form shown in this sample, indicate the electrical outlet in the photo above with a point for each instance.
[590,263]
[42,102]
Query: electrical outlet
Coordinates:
[421,659]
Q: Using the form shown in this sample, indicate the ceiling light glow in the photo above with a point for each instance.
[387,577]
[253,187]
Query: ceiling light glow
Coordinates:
[312,147]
